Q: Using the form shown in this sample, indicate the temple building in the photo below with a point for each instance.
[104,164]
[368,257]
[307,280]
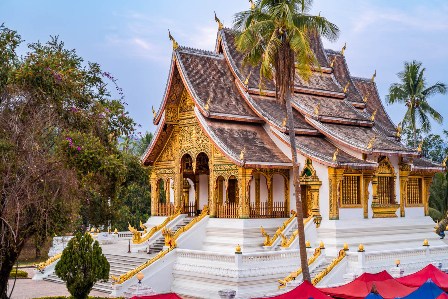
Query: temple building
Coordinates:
[222,141]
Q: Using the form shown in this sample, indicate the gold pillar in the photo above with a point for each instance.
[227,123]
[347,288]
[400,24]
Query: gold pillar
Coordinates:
[287,197]
[154,201]
[404,177]
[270,185]
[244,176]
[427,180]
[257,191]
[186,193]
[167,191]
[367,177]
[374,189]
[196,192]
[212,194]
[335,176]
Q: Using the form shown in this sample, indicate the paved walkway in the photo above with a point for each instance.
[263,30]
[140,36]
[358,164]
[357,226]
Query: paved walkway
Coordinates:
[28,288]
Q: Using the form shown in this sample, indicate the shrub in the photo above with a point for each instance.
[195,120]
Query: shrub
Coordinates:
[81,265]
[18,274]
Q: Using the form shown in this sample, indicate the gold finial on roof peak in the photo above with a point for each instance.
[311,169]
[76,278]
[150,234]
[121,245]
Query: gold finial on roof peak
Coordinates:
[284,122]
[333,61]
[246,82]
[343,49]
[374,76]
[252,4]
[217,20]
[316,109]
[175,44]
[243,152]
[335,155]
[372,118]
[153,112]
[399,129]
[346,87]
[420,147]
[371,142]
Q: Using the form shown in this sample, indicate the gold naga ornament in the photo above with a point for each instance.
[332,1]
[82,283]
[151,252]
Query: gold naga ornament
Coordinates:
[207,104]
[371,142]
[217,20]
[284,122]
[399,129]
[346,87]
[153,112]
[243,152]
[246,81]
[333,61]
[175,44]
[372,118]
[343,49]
[374,76]
[335,155]
[365,98]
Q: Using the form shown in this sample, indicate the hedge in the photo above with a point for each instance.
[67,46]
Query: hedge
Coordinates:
[18,274]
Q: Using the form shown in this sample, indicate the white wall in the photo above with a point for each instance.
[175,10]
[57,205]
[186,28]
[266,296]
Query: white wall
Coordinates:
[252,190]
[191,191]
[203,190]
[278,188]
[171,199]
[263,189]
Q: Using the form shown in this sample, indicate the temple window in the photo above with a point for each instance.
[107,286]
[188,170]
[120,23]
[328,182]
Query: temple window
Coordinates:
[351,191]
[386,182]
[414,191]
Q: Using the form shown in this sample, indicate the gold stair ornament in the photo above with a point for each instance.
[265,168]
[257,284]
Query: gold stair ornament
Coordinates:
[293,275]
[268,241]
[330,267]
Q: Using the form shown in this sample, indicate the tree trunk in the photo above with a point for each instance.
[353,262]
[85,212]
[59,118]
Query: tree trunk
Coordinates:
[297,190]
[7,264]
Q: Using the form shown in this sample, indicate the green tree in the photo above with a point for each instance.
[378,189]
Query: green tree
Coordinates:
[275,35]
[413,91]
[59,130]
[82,264]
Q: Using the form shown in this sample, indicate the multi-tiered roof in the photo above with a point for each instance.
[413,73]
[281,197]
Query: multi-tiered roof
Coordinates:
[332,110]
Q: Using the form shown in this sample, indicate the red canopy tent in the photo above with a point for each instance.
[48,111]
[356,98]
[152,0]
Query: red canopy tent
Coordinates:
[304,291]
[418,278]
[159,296]
[443,296]
[359,288]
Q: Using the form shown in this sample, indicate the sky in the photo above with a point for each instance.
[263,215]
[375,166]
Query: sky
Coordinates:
[130,39]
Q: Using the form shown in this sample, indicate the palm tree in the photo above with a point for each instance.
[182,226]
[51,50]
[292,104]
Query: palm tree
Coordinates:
[274,34]
[414,93]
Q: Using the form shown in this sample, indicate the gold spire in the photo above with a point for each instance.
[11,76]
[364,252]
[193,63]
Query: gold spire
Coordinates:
[175,44]
[284,122]
[399,129]
[335,155]
[343,49]
[246,82]
[346,87]
[316,109]
[207,104]
[217,20]
[372,118]
[252,5]
[420,147]
[371,142]
[154,112]
[242,154]
[332,61]
[374,76]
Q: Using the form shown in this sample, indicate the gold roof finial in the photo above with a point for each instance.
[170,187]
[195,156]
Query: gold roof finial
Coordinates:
[365,98]
[374,76]
[175,44]
[420,147]
[444,161]
[333,61]
[252,5]
[243,152]
[346,87]
[372,118]
[217,20]
[399,129]
[284,122]
[246,82]
[343,49]
[207,104]
[335,155]
[371,142]
[153,112]
[316,109]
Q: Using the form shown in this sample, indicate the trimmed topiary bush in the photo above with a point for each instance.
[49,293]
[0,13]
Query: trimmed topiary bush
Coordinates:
[81,265]
[18,274]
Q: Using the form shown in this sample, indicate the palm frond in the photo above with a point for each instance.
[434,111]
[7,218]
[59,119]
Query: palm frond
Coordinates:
[426,109]
[397,94]
[438,88]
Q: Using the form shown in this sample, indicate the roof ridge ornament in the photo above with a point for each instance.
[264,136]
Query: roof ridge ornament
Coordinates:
[365,98]
[372,118]
[316,110]
[371,142]
[252,4]
[217,20]
[420,147]
[207,104]
[175,44]
[333,61]
[246,81]
[343,49]
[284,122]
[335,155]
[154,112]
[346,87]
[373,77]
[243,152]
[399,129]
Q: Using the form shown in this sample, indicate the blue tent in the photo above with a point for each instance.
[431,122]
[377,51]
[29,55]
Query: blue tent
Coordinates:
[373,296]
[428,290]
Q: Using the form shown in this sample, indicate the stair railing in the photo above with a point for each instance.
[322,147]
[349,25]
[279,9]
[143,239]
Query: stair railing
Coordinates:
[170,241]
[334,263]
[293,275]
[41,266]
[286,242]
[269,241]
[156,228]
